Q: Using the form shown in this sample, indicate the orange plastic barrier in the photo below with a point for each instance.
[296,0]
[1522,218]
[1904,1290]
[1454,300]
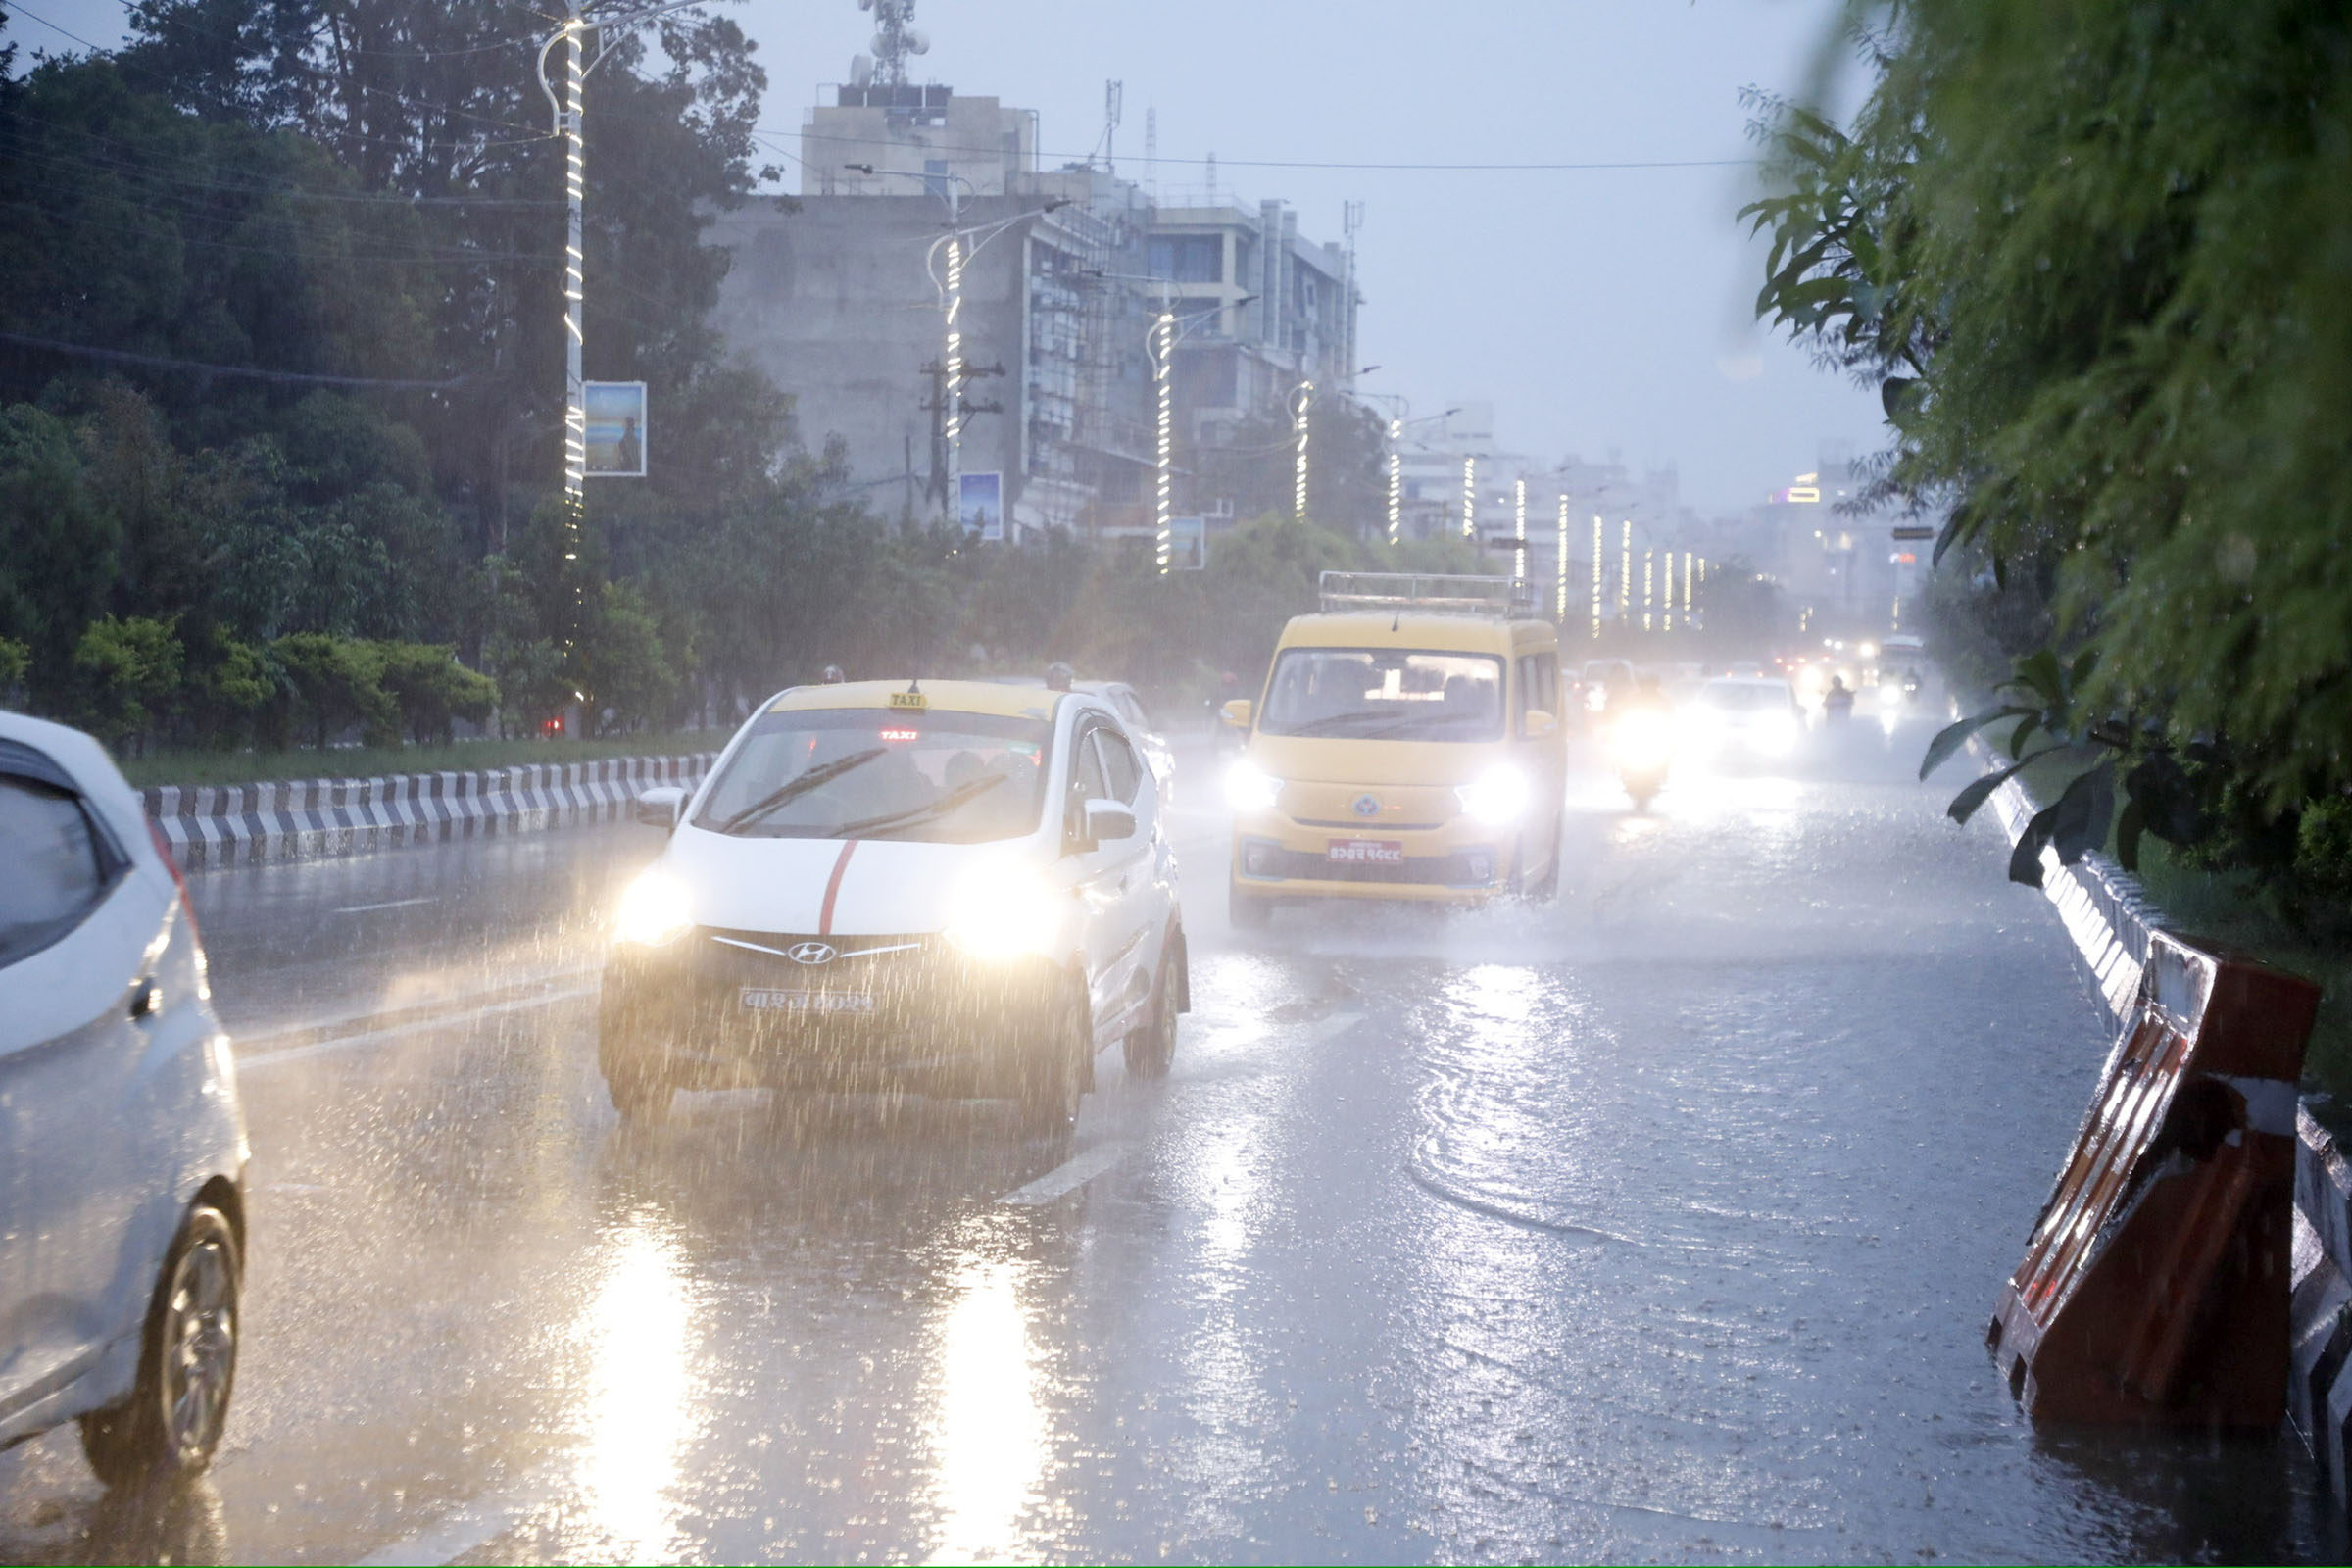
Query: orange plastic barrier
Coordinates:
[2155,1288]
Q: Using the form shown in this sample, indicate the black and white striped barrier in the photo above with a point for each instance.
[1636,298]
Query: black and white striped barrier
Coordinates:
[230,824]
[2109,916]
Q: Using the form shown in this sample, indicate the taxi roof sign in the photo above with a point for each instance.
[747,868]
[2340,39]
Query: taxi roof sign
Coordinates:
[910,698]
[1428,593]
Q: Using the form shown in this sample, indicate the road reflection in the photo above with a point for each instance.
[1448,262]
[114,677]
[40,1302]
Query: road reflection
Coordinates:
[637,1335]
[987,1430]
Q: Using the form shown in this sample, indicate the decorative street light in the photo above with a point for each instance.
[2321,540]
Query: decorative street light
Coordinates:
[1470,498]
[1167,330]
[1299,423]
[1519,530]
[1559,608]
[1596,550]
[1625,578]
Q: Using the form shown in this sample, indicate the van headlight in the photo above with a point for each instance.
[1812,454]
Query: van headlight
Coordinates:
[655,910]
[999,912]
[1494,797]
[1251,788]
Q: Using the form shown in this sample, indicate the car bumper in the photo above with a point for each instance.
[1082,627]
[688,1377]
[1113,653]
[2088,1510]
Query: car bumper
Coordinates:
[892,1012]
[1459,863]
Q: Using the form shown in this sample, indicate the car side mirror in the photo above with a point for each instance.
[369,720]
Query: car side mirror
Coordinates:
[1237,712]
[661,807]
[1536,723]
[1108,821]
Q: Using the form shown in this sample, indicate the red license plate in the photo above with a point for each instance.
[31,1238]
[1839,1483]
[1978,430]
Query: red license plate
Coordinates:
[1365,851]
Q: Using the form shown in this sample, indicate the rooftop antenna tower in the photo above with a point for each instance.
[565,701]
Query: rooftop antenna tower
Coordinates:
[896,37]
[1151,153]
[1212,180]
[1114,96]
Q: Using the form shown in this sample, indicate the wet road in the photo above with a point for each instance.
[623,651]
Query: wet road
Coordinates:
[1661,1222]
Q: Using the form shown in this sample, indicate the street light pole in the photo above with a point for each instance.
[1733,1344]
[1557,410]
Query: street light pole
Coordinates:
[1395,480]
[1519,530]
[1559,612]
[1470,498]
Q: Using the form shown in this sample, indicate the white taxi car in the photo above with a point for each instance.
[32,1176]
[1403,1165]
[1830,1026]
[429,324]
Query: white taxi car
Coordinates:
[951,887]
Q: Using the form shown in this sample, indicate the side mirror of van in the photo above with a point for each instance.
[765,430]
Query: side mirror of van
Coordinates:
[661,807]
[1534,723]
[1237,713]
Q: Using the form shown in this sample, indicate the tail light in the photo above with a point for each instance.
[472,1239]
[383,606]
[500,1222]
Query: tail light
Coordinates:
[163,847]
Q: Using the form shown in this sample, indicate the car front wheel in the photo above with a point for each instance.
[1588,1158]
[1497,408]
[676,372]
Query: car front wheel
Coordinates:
[1151,1050]
[1052,1079]
[172,1423]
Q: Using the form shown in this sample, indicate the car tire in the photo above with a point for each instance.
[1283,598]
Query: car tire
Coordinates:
[1052,1079]
[637,1087]
[1151,1050]
[170,1424]
[641,1099]
[1247,912]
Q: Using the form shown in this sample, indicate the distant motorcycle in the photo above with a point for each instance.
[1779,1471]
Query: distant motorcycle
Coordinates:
[1641,746]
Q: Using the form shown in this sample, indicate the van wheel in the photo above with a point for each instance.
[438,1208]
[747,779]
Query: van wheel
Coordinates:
[1246,910]
[1546,883]
[1151,1050]
[172,1423]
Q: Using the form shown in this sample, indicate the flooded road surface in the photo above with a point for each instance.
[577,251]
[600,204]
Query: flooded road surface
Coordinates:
[1661,1222]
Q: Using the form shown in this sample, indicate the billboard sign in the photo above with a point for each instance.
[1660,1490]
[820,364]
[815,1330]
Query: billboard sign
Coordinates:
[980,504]
[616,428]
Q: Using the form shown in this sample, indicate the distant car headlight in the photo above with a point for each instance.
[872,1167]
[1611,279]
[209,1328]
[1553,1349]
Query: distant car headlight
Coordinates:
[1891,697]
[1497,796]
[1000,911]
[655,910]
[1251,788]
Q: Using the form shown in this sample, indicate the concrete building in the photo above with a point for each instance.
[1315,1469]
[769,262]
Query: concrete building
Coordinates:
[837,296]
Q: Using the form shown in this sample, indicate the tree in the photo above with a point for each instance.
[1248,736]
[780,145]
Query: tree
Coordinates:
[2096,258]
[338,683]
[432,690]
[126,670]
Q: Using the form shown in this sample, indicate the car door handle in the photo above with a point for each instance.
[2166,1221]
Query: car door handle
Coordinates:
[146,998]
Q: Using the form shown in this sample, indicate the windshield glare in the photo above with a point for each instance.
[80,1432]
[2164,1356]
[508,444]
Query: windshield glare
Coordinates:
[937,777]
[1384,694]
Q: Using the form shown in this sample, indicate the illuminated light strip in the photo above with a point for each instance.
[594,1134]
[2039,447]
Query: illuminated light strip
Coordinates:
[951,414]
[1559,611]
[1598,547]
[1519,528]
[1649,565]
[1306,396]
[1625,578]
[1469,498]
[1689,600]
[1165,481]
[1396,481]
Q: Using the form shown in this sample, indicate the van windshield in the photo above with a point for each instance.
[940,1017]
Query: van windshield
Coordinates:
[1384,694]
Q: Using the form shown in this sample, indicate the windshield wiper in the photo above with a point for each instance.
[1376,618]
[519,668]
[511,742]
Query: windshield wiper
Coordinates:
[917,816]
[793,789]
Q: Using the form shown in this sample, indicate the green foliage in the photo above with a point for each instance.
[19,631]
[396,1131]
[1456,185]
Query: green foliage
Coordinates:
[625,675]
[15,660]
[431,690]
[2098,259]
[126,671]
[338,683]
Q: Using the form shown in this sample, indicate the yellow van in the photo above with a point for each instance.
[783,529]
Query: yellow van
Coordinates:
[1407,745]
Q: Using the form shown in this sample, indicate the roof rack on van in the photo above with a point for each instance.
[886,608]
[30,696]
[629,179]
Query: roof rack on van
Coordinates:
[1428,593]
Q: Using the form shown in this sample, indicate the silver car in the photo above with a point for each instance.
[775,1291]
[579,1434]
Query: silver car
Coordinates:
[121,1141]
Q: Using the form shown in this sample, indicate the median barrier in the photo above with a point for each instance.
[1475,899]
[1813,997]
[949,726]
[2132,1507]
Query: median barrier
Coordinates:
[2156,1285]
[2110,918]
[230,824]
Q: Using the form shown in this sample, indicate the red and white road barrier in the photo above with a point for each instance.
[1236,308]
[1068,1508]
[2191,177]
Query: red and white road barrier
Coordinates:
[227,824]
[2111,919]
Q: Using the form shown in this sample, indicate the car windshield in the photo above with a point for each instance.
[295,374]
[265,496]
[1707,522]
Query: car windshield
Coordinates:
[1384,694]
[1745,697]
[941,777]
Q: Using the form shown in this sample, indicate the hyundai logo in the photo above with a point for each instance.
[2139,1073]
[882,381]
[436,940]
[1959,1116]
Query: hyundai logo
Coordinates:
[1367,806]
[812,953]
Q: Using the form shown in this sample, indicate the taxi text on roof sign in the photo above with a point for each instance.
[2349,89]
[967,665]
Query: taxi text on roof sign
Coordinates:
[908,700]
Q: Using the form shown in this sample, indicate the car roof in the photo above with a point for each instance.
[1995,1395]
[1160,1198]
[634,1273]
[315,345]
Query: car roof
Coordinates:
[951,696]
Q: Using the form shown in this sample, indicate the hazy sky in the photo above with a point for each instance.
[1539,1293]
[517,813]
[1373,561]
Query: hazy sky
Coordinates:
[1599,310]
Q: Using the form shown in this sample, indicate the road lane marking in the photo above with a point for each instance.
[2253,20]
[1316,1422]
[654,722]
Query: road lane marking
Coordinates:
[467,1530]
[442,1004]
[389,904]
[273,1058]
[1071,1175]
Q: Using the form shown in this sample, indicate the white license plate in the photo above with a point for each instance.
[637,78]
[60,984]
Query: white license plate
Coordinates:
[759,999]
[1365,851]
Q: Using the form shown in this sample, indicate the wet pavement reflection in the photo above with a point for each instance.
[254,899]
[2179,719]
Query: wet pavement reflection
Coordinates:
[1658,1223]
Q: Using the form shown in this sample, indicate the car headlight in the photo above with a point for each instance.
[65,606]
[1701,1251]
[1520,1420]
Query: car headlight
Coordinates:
[1497,796]
[1891,697]
[654,911]
[1000,911]
[1251,788]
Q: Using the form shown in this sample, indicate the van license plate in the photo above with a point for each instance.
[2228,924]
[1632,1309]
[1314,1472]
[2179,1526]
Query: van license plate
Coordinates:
[1365,851]
[762,1000]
